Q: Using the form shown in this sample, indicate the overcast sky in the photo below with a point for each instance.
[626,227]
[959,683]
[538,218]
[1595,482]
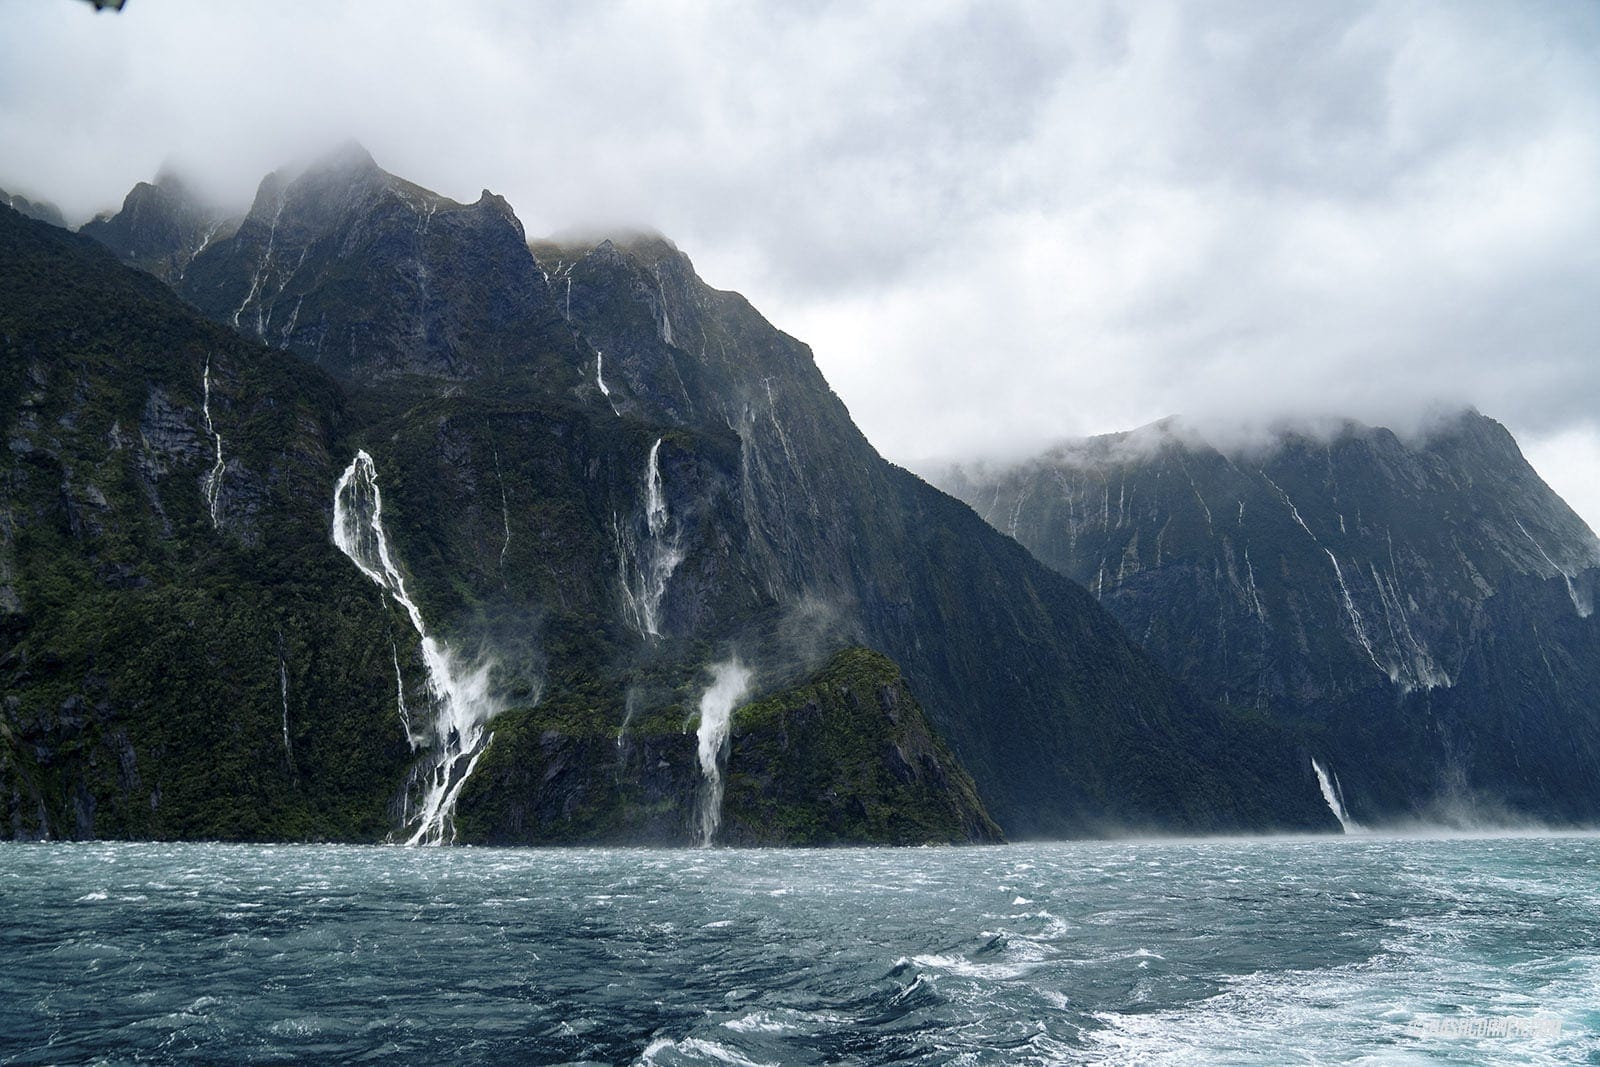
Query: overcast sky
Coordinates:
[997,224]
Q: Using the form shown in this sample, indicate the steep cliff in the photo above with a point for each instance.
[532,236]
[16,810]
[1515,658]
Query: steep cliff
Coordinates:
[161,228]
[1420,607]
[599,476]
[182,652]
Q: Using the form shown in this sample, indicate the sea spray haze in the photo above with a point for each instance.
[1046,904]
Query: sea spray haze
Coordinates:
[730,681]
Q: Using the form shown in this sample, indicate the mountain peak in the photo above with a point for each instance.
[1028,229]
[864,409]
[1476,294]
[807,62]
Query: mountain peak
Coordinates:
[42,210]
[348,157]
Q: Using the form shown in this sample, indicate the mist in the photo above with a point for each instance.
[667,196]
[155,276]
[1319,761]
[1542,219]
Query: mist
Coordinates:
[998,225]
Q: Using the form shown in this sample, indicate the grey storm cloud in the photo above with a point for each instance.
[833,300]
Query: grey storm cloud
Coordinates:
[998,224]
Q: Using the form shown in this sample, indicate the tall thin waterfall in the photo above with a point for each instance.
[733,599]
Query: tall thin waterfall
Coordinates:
[730,680]
[212,485]
[1334,796]
[459,697]
[648,562]
[283,695]
[600,380]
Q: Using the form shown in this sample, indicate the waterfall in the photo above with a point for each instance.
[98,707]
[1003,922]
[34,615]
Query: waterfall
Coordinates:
[404,712]
[283,693]
[666,320]
[647,563]
[629,706]
[730,680]
[1579,604]
[261,270]
[212,483]
[459,697]
[600,380]
[655,502]
[1355,619]
[1334,796]
[505,512]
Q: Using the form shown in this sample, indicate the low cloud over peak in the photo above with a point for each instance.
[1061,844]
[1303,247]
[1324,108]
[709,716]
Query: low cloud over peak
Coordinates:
[997,224]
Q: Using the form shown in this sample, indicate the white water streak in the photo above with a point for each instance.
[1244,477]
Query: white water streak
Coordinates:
[666,320]
[730,680]
[600,380]
[261,269]
[647,564]
[460,697]
[415,741]
[1584,610]
[212,485]
[1355,620]
[1349,604]
[505,509]
[1255,597]
[283,692]
[204,242]
[1334,797]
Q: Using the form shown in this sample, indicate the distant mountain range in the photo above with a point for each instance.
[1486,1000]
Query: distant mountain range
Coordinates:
[365,517]
[1420,609]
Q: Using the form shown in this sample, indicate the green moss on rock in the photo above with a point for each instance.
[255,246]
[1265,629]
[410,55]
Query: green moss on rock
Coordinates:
[848,757]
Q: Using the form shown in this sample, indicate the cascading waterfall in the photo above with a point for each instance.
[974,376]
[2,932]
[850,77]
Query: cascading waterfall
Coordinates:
[1334,796]
[460,698]
[730,680]
[648,562]
[212,485]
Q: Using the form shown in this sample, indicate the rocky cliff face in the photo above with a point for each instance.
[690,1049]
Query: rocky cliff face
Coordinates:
[1421,607]
[375,279]
[599,475]
[161,228]
[182,652]
[1062,722]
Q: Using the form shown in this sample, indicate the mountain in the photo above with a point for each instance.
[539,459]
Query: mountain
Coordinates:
[1419,607]
[161,228]
[587,486]
[375,279]
[182,651]
[42,210]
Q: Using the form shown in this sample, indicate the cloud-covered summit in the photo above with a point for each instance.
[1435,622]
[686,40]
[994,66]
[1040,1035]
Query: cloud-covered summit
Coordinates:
[997,224]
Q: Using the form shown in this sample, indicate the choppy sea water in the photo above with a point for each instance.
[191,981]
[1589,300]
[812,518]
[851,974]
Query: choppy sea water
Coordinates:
[1257,951]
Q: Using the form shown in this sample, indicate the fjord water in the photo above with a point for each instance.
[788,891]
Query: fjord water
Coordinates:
[1250,951]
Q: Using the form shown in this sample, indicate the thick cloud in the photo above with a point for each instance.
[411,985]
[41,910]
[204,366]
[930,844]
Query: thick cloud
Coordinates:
[997,224]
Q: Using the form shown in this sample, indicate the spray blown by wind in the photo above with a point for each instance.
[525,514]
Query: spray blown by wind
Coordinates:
[730,680]
[460,697]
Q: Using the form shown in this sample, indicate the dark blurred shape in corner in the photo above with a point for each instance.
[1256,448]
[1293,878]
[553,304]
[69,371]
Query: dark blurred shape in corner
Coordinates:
[102,5]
